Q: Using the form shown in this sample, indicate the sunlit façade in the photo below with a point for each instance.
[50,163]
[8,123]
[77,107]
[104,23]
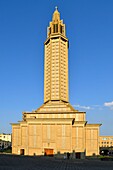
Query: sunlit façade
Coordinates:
[56,127]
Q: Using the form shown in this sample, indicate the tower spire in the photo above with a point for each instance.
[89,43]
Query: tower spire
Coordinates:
[56,25]
[56,15]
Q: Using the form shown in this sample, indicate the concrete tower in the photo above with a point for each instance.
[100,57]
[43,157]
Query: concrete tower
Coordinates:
[56,61]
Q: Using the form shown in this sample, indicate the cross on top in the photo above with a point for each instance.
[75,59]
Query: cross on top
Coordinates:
[56,8]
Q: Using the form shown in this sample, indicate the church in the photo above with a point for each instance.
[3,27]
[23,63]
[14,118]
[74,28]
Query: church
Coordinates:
[55,128]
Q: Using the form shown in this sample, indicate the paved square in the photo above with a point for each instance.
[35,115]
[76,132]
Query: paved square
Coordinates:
[13,162]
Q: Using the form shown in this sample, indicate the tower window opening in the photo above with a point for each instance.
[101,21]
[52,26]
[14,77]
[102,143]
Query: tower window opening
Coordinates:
[60,28]
[50,30]
[55,28]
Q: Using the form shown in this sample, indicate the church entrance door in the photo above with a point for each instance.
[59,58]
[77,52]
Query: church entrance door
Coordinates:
[21,151]
[48,152]
[78,155]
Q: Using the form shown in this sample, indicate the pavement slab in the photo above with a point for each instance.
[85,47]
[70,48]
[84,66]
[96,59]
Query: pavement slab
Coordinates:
[17,162]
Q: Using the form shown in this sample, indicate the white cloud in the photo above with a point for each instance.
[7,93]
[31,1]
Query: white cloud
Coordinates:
[95,107]
[83,107]
[109,104]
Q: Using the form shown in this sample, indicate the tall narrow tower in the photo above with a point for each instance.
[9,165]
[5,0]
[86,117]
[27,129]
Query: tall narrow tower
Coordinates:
[56,61]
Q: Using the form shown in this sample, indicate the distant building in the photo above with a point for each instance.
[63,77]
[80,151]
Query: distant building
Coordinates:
[5,141]
[55,128]
[5,137]
[106,145]
[106,141]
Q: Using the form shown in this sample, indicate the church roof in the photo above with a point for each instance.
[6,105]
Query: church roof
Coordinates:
[56,106]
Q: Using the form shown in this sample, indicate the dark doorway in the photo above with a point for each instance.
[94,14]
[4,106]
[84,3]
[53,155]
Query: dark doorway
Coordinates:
[21,151]
[78,155]
[48,152]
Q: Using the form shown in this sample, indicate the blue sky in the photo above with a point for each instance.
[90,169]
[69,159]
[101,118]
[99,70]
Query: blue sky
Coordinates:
[89,27]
